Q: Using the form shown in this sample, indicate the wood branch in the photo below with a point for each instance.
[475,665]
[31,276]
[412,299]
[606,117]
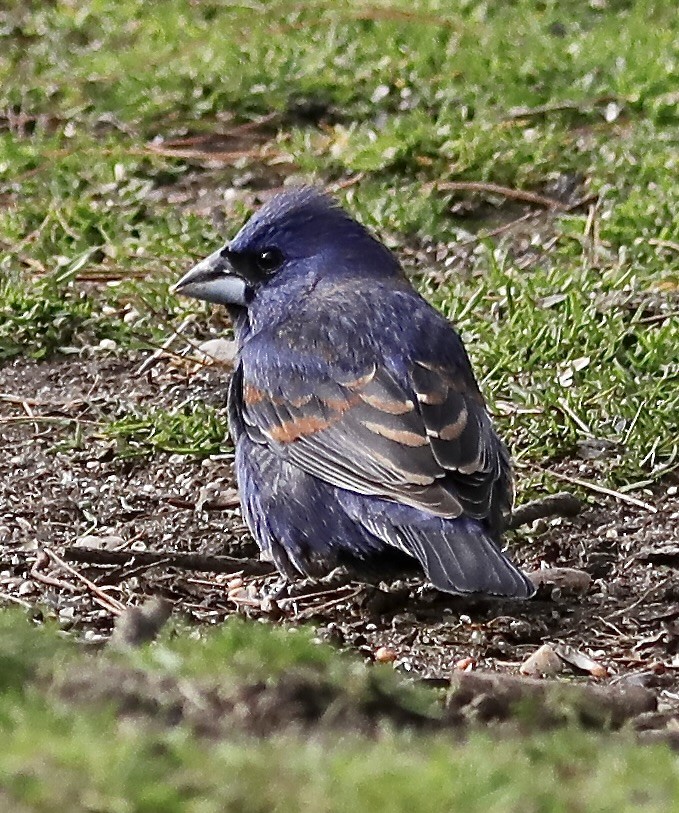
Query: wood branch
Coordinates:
[562,504]
[183,561]
[490,696]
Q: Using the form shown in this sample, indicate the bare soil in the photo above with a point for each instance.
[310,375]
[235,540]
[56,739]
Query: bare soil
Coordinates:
[60,480]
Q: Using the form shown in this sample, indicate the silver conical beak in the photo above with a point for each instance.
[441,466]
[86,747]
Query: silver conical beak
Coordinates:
[213,280]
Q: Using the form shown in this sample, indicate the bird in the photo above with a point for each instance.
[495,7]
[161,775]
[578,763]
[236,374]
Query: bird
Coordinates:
[362,440]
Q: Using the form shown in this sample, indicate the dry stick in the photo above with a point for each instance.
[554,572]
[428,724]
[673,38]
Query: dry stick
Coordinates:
[654,588]
[234,132]
[563,405]
[171,354]
[341,591]
[658,317]
[618,495]
[506,192]
[99,595]
[495,232]
[207,505]
[19,401]
[655,241]
[544,109]
[135,571]
[185,561]
[37,574]
[562,504]
[338,186]
[45,419]
[222,156]
[163,349]
[153,358]
[319,608]
[9,597]
[247,126]
[7,398]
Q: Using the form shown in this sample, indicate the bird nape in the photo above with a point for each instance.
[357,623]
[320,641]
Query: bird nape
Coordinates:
[362,438]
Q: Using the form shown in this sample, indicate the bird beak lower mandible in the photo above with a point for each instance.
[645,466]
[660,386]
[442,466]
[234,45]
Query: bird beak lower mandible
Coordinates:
[213,280]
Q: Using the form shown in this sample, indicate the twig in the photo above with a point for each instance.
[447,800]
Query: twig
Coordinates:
[338,186]
[311,611]
[562,505]
[563,405]
[17,399]
[9,597]
[618,495]
[247,126]
[641,599]
[657,317]
[236,131]
[36,573]
[497,231]
[558,107]
[153,358]
[656,241]
[243,601]
[223,156]
[286,603]
[593,197]
[99,595]
[496,189]
[207,505]
[135,571]
[184,561]
[377,13]
[45,419]
[180,359]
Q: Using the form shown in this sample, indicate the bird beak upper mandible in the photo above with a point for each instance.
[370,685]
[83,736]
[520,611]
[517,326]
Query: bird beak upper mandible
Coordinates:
[213,280]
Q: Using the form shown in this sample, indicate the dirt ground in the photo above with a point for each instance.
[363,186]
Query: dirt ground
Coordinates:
[63,488]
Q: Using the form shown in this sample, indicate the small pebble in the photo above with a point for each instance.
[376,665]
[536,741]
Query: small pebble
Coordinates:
[385,655]
[544,662]
[465,664]
[218,351]
[104,542]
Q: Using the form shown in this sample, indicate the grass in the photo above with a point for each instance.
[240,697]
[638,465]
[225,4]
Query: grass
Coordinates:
[75,739]
[195,429]
[90,230]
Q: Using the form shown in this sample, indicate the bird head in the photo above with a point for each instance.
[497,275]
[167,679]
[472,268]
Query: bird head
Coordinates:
[297,233]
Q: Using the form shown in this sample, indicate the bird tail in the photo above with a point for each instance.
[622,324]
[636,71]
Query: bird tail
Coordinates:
[468,562]
[457,556]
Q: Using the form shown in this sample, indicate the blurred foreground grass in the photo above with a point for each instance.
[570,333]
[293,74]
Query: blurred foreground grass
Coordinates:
[116,732]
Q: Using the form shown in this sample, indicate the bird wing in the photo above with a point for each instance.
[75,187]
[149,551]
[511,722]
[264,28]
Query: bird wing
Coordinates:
[425,441]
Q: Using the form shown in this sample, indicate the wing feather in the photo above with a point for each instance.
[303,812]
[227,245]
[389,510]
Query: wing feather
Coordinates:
[426,441]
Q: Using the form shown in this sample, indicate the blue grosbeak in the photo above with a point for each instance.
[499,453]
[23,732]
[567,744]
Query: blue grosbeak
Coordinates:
[362,439]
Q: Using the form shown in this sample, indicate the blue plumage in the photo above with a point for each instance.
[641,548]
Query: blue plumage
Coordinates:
[362,438]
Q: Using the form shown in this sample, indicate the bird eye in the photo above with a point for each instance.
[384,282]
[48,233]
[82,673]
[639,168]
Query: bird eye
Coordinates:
[269,260]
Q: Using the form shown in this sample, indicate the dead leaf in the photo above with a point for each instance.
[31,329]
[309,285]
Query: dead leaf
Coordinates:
[579,660]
